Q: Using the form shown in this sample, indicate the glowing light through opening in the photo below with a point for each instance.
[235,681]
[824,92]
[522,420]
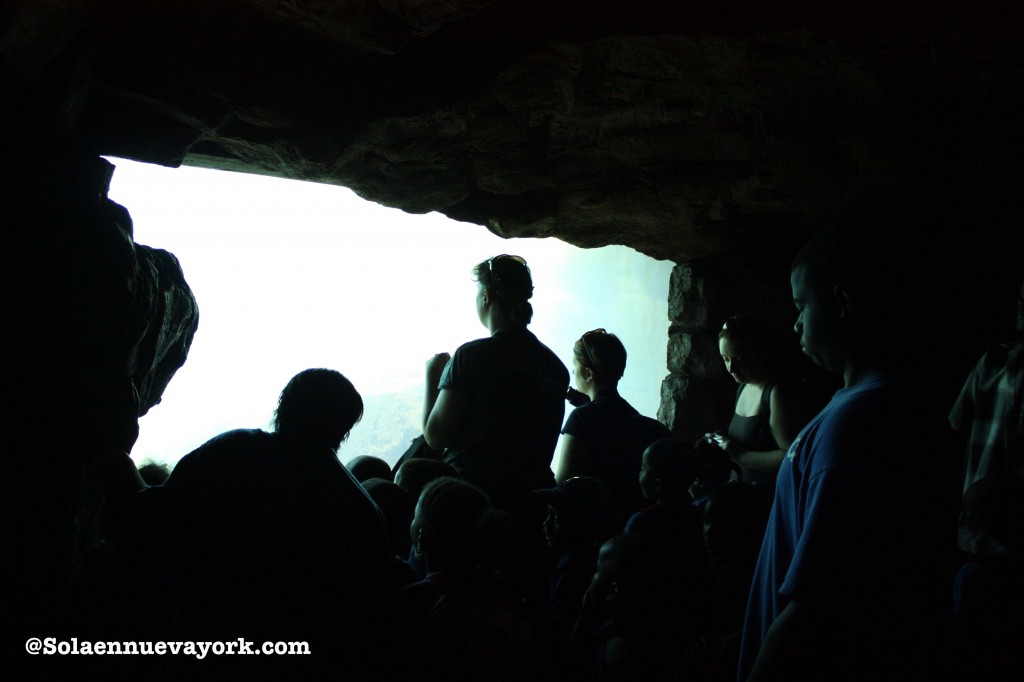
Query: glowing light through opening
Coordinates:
[290,275]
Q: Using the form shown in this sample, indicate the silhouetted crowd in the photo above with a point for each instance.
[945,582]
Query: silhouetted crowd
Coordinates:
[829,532]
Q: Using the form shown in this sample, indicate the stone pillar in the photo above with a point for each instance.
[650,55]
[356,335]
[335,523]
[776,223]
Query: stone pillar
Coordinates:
[698,395]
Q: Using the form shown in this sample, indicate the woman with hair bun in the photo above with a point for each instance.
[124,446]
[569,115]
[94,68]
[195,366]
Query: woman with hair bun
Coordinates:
[605,437]
[496,406]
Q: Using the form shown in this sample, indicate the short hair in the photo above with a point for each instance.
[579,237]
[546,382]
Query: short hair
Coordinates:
[509,281]
[603,353]
[463,526]
[675,462]
[154,473]
[321,404]
[414,474]
[364,467]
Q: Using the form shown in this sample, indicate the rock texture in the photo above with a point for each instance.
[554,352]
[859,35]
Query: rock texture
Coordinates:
[675,128]
[715,133]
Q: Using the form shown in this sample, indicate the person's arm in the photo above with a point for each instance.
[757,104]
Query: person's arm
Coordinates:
[443,410]
[571,451]
[785,420]
[785,645]
[445,419]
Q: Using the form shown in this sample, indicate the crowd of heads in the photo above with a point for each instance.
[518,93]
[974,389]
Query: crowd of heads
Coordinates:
[645,601]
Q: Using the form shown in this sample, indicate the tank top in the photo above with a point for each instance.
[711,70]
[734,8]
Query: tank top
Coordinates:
[754,433]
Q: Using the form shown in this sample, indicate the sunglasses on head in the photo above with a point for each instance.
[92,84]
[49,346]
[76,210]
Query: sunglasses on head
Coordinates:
[495,278]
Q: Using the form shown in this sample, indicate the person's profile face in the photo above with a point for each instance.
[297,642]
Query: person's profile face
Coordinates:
[577,376]
[648,478]
[415,531]
[552,528]
[481,301]
[814,321]
[603,585]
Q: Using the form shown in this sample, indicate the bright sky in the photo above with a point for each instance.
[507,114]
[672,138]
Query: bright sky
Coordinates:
[290,275]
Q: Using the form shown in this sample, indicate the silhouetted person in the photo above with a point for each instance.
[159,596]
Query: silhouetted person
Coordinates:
[581,515]
[639,614]
[771,407]
[606,436]
[463,621]
[849,582]
[496,408]
[990,414]
[275,541]
[365,467]
[733,527]
[667,472]
[412,476]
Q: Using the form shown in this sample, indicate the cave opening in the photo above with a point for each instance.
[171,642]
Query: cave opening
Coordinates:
[290,275]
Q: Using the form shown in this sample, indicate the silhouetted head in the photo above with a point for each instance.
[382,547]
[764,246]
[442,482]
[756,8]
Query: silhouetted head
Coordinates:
[855,295]
[714,469]
[505,281]
[319,405]
[455,527]
[581,510]
[365,467]
[414,474]
[635,577]
[668,469]
[154,473]
[598,357]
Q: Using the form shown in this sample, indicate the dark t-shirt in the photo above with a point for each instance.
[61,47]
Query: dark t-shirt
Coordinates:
[516,388]
[270,539]
[616,436]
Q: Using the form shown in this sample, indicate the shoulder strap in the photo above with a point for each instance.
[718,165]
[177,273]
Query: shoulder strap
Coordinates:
[766,399]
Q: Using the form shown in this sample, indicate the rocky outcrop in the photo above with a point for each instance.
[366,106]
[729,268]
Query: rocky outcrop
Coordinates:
[679,129]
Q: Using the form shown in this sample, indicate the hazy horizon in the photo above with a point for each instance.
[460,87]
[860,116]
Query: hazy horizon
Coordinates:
[290,275]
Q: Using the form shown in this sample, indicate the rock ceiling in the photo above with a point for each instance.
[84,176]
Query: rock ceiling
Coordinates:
[678,128]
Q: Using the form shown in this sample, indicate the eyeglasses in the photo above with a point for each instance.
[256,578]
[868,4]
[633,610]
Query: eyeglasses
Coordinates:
[585,346]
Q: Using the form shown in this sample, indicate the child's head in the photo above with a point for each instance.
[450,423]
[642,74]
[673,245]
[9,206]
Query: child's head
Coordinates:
[633,575]
[714,469]
[365,467]
[455,527]
[581,511]
[414,474]
[154,473]
[667,471]
[734,521]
